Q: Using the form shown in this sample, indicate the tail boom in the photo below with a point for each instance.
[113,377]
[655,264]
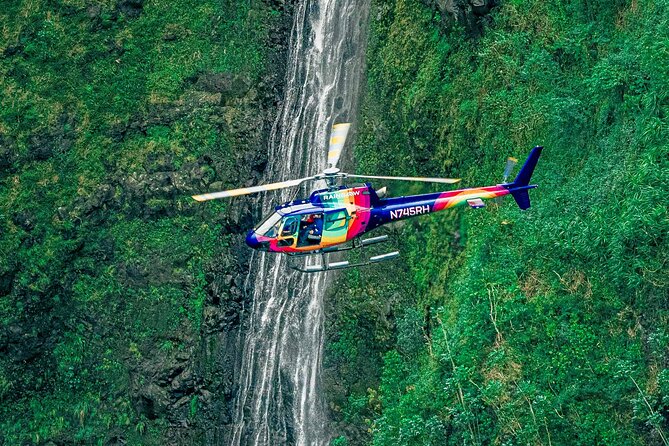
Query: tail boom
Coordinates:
[399,208]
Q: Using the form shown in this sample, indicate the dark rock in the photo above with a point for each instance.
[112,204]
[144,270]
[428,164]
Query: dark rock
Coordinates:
[464,12]
[117,132]
[181,403]
[206,397]
[116,439]
[229,85]
[41,147]
[8,153]
[130,8]
[174,32]
[132,275]
[88,207]
[114,49]
[158,114]
[482,7]
[6,282]
[147,194]
[22,346]
[58,139]
[213,320]
[183,384]
[199,99]
[94,11]
[25,220]
[144,186]
[13,50]
[152,401]
[163,381]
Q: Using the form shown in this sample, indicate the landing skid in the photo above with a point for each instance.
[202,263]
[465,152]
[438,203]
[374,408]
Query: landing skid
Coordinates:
[327,265]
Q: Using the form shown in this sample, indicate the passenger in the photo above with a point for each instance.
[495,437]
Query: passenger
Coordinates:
[315,229]
[306,224]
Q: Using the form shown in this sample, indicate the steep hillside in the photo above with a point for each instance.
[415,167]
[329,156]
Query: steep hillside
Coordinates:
[499,326]
[119,296]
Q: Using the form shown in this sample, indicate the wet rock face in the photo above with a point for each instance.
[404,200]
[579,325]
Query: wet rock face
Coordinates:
[189,379]
[163,382]
[186,377]
[193,387]
[102,17]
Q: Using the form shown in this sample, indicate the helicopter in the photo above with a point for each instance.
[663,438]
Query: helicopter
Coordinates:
[336,218]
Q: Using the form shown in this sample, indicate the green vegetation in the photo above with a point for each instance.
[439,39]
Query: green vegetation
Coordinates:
[111,113]
[498,327]
[502,327]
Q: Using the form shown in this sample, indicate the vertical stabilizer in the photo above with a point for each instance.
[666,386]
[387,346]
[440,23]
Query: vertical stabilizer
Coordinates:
[523,178]
[521,184]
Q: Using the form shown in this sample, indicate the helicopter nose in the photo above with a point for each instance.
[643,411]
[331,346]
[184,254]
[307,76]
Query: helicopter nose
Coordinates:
[252,240]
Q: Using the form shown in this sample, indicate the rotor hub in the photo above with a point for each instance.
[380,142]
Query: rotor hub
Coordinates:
[331,174]
[330,171]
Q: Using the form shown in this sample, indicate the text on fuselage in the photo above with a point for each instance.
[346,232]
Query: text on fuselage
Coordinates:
[337,195]
[410,212]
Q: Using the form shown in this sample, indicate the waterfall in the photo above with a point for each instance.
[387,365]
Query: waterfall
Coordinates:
[277,399]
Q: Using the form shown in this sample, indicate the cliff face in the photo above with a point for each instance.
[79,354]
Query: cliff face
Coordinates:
[121,297]
[498,326]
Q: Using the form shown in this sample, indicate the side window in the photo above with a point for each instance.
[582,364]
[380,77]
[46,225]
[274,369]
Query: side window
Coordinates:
[289,227]
[335,220]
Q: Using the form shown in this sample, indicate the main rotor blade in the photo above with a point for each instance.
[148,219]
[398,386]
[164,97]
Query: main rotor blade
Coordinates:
[422,179]
[337,140]
[251,190]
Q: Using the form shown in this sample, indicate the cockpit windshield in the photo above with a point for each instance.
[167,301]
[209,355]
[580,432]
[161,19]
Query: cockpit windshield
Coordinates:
[270,227]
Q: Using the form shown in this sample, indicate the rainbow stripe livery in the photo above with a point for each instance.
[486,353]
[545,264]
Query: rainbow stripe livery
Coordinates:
[334,216]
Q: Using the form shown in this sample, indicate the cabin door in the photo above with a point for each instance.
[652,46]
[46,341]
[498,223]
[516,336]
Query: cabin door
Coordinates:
[335,226]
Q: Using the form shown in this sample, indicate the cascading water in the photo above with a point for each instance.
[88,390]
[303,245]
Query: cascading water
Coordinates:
[277,401]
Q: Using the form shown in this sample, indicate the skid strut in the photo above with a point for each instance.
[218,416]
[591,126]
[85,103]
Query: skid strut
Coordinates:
[326,265]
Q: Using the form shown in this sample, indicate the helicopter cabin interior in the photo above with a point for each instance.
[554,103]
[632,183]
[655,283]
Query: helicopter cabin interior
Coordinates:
[306,227]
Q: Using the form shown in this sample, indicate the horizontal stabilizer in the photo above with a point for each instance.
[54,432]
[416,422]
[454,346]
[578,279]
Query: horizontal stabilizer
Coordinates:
[476,203]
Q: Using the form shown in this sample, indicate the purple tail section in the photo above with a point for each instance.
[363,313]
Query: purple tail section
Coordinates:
[522,198]
[521,184]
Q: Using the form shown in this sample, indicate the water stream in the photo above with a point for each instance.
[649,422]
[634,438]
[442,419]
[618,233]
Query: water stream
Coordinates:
[278,400]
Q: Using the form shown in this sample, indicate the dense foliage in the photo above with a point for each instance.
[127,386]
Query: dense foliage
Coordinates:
[497,327]
[111,113]
[504,327]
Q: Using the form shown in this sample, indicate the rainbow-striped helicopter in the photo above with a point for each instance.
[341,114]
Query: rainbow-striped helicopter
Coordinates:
[335,219]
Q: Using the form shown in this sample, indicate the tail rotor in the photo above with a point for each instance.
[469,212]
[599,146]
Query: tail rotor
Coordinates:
[510,164]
